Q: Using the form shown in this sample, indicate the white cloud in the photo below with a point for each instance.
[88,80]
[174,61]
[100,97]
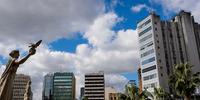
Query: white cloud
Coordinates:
[117,81]
[176,5]
[108,49]
[139,7]
[113,52]
[46,19]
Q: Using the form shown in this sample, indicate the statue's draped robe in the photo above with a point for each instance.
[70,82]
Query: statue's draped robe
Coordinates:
[28,93]
[6,81]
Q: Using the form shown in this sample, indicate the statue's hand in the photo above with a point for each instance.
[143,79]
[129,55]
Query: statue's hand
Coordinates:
[32,51]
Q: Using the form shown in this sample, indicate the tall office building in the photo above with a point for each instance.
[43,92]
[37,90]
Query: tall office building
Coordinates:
[64,86]
[19,86]
[94,86]
[47,93]
[164,44]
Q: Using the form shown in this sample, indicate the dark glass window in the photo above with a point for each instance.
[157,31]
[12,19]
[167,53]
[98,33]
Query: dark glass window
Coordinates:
[145,23]
[148,60]
[147,53]
[149,69]
[146,30]
[145,38]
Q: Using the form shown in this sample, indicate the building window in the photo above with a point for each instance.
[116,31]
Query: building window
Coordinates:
[161,74]
[147,53]
[149,69]
[148,60]
[150,77]
[144,24]
[152,85]
[156,29]
[150,44]
[145,31]
[146,45]
[145,38]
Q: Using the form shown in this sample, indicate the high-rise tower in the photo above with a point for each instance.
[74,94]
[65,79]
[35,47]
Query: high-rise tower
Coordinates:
[64,86]
[47,93]
[164,44]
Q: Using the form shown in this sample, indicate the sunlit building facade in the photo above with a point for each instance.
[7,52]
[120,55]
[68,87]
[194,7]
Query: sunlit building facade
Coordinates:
[48,87]
[164,44]
[94,86]
[19,86]
[64,86]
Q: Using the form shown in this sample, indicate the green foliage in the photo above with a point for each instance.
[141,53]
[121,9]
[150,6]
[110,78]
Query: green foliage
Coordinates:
[145,95]
[84,98]
[160,94]
[132,93]
[183,81]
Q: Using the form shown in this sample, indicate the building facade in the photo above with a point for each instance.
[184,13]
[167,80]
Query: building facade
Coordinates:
[64,86]
[110,93]
[164,44]
[82,91]
[48,87]
[19,86]
[113,96]
[95,86]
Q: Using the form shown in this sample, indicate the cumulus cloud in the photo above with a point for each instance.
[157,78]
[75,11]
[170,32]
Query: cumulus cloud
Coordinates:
[139,7]
[46,19]
[108,49]
[176,5]
[113,52]
[117,81]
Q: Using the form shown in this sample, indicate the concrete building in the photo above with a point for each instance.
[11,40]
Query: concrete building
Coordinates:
[113,96]
[110,93]
[64,86]
[95,86]
[19,86]
[164,44]
[47,93]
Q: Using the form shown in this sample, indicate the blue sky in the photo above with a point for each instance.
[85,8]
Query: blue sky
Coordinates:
[123,10]
[80,36]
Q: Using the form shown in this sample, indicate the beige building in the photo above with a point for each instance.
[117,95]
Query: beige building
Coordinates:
[94,86]
[110,93]
[19,86]
[113,96]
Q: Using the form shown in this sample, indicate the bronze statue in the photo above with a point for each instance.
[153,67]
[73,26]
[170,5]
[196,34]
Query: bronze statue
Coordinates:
[28,93]
[8,76]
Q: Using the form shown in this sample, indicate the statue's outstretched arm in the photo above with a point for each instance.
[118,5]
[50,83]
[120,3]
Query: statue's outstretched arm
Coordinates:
[23,59]
[31,52]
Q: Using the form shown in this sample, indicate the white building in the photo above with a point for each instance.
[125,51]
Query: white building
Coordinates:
[164,44]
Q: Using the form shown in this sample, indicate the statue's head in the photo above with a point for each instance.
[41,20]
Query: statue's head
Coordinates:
[14,54]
